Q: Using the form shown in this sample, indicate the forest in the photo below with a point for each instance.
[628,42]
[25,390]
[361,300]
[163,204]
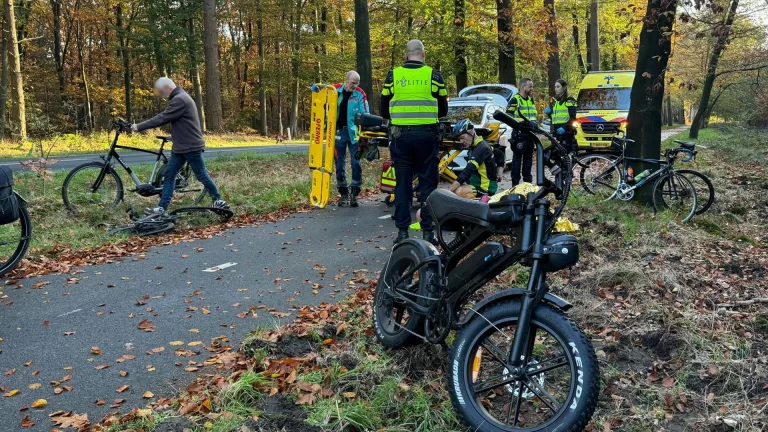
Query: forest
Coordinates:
[72,65]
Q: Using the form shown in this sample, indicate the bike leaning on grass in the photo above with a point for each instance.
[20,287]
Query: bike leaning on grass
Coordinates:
[517,362]
[99,183]
[15,224]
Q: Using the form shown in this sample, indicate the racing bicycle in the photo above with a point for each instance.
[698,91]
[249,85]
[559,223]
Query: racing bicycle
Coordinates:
[156,223]
[99,183]
[517,361]
[672,191]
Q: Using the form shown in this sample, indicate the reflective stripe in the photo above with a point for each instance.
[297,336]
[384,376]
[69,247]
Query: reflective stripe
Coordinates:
[412,115]
[411,103]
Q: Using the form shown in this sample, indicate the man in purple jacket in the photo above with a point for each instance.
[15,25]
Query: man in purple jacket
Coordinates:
[188,142]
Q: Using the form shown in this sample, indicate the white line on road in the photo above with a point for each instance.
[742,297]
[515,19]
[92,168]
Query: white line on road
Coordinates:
[69,313]
[385,217]
[220,267]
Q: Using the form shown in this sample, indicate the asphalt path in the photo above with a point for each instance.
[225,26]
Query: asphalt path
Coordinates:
[131,157]
[57,326]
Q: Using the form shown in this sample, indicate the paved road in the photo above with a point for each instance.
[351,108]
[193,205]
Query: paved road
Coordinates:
[134,157]
[669,132]
[103,306]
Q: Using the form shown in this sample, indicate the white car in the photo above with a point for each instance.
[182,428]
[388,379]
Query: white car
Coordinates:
[479,110]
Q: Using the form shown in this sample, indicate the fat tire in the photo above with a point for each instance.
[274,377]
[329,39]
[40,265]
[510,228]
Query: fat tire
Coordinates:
[563,327]
[400,338]
[110,172]
[26,238]
[701,208]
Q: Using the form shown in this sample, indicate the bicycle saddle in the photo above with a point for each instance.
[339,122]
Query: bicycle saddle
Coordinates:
[163,137]
[447,205]
[688,145]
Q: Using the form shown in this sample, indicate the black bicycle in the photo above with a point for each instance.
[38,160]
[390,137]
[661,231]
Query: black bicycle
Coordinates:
[608,178]
[182,218]
[15,237]
[99,183]
[517,361]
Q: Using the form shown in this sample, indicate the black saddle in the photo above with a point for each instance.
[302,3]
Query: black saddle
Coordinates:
[163,137]
[688,145]
[450,212]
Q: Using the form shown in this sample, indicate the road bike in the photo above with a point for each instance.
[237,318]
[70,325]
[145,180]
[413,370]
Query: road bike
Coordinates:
[156,223]
[672,191]
[517,361]
[15,238]
[99,183]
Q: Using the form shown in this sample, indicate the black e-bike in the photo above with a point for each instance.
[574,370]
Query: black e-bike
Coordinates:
[517,362]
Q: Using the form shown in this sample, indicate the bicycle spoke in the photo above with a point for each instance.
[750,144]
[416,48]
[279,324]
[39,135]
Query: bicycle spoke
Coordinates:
[519,403]
[541,369]
[497,354]
[538,391]
[491,384]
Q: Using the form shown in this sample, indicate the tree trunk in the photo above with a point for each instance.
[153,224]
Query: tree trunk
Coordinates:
[18,109]
[670,119]
[553,61]
[194,68]
[505,24]
[214,121]
[81,59]
[363,46]
[723,32]
[577,45]
[280,130]
[156,45]
[293,122]
[56,9]
[126,62]
[262,85]
[460,45]
[594,37]
[647,95]
[3,76]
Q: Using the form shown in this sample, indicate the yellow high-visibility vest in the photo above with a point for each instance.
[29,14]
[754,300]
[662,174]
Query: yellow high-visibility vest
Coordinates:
[523,109]
[412,103]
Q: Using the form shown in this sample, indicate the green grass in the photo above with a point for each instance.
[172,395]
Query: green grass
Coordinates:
[69,144]
[253,184]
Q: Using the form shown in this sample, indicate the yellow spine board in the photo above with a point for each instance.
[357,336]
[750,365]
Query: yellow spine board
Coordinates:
[322,142]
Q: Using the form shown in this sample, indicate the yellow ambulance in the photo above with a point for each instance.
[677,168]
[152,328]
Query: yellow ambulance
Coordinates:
[603,106]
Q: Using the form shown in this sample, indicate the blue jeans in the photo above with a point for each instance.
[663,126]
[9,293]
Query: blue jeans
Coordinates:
[196,162]
[342,143]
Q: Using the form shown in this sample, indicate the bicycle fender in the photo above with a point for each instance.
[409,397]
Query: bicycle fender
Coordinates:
[512,293]
[427,248]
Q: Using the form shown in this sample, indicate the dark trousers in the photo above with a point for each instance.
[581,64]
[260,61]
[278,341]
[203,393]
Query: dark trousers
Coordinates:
[522,153]
[196,162]
[414,153]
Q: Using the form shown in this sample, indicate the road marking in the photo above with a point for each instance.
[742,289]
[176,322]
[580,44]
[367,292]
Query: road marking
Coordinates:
[385,217]
[69,313]
[220,267]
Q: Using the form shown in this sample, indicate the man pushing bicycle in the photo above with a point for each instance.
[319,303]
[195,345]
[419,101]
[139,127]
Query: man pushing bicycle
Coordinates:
[188,142]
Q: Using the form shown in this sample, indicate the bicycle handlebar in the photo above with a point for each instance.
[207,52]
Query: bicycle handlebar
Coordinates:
[121,124]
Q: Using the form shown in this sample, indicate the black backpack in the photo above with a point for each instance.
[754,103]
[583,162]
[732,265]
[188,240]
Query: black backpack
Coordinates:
[9,202]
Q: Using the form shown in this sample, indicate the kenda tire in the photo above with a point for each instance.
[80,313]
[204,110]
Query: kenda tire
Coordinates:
[577,408]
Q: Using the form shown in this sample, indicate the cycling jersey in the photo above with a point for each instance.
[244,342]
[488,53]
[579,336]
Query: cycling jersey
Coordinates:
[480,171]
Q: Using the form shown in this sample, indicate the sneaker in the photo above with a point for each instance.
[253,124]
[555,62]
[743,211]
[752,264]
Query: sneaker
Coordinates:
[221,204]
[154,211]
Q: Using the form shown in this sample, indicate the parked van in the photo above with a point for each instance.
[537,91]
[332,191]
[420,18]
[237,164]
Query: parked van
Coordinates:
[603,106]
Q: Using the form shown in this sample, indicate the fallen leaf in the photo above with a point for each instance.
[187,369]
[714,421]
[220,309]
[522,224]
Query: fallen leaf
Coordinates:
[122,388]
[96,351]
[349,395]
[123,373]
[12,393]
[668,382]
[176,343]
[147,326]
[195,343]
[27,421]
[148,395]
[35,386]
[101,367]
[70,420]
[40,403]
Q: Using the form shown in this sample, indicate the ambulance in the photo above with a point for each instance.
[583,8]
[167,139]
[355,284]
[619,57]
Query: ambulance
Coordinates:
[603,106]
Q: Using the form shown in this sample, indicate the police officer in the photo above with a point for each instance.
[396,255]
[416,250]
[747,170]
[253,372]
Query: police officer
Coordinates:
[414,98]
[523,108]
[562,111]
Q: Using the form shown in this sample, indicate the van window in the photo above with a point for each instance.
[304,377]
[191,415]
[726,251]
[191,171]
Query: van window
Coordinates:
[460,112]
[604,99]
[503,91]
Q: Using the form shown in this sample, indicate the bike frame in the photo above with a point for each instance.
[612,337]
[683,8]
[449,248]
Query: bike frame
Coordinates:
[531,235]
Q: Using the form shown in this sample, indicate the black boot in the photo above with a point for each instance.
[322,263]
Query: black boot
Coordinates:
[402,234]
[430,237]
[353,197]
[344,199]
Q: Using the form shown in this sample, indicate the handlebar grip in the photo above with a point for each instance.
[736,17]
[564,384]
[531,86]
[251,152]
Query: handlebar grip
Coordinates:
[506,119]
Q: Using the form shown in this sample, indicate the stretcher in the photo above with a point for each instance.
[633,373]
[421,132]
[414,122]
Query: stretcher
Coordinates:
[322,142]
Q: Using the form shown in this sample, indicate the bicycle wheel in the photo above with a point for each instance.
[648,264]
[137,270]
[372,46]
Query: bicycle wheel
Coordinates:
[193,217]
[78,190]
[15,238]
[705,190]
[557,389]
[675,194]
[188,188]
[152,227]
[395,323]
[599,176]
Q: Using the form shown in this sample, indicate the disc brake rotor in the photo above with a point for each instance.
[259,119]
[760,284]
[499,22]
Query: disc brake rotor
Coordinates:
[527,394]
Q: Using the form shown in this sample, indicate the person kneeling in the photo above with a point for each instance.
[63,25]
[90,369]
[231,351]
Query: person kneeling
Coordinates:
[479,177]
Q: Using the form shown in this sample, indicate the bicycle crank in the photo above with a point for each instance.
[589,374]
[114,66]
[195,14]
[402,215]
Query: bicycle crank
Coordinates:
[625,192]
[438,322]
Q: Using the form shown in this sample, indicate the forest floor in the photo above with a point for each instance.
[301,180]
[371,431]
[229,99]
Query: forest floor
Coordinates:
[677,314]
[71,144]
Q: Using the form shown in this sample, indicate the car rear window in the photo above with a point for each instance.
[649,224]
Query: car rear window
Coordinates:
[460,112]
[604,99]
[489,89]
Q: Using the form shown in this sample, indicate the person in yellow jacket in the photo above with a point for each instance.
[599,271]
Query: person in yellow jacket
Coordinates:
[414,98]
[562,112]
[522,108]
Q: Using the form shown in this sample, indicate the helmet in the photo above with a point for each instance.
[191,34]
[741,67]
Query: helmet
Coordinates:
[460,127]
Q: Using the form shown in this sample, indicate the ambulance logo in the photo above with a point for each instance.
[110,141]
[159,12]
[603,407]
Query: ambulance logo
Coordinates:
[609,78]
